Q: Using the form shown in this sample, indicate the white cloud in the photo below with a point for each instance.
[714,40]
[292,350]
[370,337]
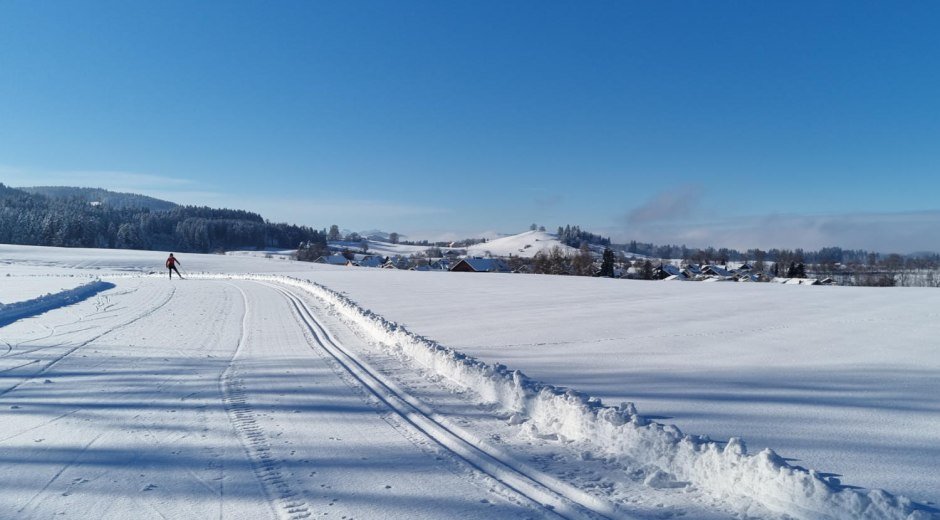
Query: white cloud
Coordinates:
[107,179]
[902,232]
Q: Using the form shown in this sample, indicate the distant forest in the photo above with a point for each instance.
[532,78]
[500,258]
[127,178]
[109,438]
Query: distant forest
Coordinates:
[63,218]
[100,196]
[827,256]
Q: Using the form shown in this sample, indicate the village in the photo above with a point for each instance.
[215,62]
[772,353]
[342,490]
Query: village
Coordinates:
[537,252]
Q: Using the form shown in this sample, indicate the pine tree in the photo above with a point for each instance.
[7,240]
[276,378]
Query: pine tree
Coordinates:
[607,263]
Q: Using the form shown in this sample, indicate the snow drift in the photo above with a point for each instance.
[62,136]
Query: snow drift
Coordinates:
[724,470]
[16,311]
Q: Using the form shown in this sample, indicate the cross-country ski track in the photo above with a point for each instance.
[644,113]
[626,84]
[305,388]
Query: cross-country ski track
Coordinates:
[128,416]
[245,397]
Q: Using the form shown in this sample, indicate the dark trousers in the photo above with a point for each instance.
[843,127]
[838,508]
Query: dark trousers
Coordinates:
[173,268]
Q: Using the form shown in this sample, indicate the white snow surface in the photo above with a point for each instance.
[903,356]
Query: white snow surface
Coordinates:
[266,388]
[41,284]
[524,245]
[10,312]
[379,247]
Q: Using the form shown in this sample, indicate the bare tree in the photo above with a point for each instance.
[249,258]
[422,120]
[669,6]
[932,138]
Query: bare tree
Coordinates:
[583,263]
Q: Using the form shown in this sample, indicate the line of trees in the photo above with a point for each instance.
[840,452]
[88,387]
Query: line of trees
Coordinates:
[573,236]
[826,256]
[35,219]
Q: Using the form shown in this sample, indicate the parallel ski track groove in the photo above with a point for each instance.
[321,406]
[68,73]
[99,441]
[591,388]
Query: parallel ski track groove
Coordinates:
[503,471]
[283,500]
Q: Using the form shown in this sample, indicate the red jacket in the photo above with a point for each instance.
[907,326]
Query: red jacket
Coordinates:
[171,261]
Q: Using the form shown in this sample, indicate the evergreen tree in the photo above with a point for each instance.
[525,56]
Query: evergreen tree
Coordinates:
[334,233]
[558,261]
[607,263]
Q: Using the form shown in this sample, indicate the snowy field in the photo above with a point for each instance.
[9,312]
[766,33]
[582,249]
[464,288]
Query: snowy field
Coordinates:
[840,379]
[40,283]
[266,398]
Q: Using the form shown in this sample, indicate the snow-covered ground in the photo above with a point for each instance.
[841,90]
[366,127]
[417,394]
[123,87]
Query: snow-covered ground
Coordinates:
[40,283]
[377,247]
[840,379]
[259,397]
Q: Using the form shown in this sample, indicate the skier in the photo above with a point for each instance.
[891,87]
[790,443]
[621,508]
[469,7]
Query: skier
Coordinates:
[171,266]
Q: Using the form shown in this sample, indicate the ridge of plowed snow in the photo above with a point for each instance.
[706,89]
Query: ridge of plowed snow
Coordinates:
[728,473]
[11,312]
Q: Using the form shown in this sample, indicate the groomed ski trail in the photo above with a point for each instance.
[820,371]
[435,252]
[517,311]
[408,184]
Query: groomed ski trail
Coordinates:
[285,502]
[541,489]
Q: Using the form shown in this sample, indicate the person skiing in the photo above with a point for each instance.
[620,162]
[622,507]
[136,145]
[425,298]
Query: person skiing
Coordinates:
[171,266]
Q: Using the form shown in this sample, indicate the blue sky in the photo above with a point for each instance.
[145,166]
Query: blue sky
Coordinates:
[740,124]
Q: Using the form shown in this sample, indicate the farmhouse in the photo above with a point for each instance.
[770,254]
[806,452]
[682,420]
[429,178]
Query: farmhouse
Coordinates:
[332,260]
[481,265]
[665,271]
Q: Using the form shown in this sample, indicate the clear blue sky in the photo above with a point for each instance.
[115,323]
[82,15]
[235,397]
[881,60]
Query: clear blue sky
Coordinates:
[742,124]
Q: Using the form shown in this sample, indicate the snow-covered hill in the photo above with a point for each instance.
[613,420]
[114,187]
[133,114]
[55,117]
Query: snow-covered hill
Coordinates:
[524,245]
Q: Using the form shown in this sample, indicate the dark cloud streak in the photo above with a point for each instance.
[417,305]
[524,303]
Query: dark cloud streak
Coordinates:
[678,204]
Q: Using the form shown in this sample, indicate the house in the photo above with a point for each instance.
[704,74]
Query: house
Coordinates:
[715,270]
[481,265]
[441,265]
[665,271]
[332,260]
[396,262]
[371,261]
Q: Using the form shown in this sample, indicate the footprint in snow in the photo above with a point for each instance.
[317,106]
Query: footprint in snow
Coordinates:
[150,487]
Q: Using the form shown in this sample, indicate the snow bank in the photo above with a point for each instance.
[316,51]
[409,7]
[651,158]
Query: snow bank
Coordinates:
[727,472]
[15,311]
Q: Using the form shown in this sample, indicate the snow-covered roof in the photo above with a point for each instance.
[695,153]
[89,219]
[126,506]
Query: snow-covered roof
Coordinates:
[484,265]
[332,260]
[670,270]
[676,278]
[716,270]
[371,261]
